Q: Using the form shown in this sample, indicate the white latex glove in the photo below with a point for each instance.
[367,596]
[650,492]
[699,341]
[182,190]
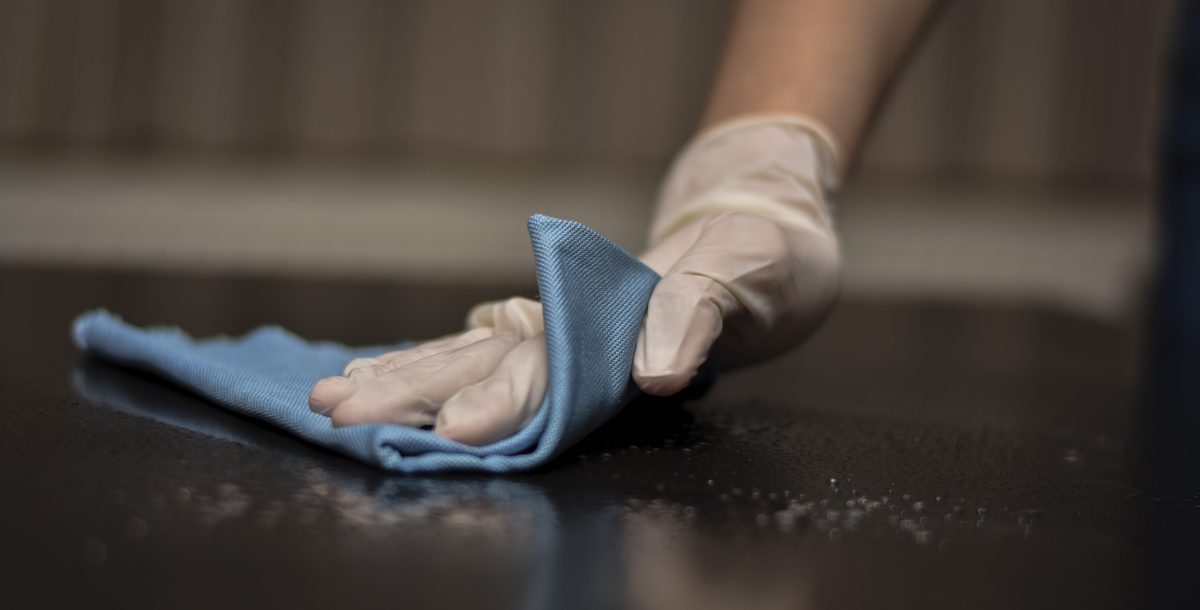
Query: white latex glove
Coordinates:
[476,387]
[744,242]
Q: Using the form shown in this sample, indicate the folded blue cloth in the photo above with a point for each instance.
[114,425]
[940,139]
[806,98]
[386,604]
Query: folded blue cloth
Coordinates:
[593,296]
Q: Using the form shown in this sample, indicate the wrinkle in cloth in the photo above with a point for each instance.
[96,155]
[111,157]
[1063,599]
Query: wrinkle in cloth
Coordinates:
[594,297]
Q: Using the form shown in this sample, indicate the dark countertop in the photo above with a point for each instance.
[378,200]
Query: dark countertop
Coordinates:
[912,455]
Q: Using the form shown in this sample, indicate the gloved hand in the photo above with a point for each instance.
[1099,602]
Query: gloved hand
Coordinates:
[476,387]
[744,241]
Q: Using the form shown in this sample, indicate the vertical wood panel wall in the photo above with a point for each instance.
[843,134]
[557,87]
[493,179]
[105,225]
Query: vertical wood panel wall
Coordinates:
[1043,88]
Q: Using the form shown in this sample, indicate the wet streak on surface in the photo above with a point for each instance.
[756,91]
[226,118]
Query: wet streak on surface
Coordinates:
[913,455]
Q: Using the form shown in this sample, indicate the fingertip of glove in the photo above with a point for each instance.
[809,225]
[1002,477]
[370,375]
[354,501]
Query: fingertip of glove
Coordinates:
[662,383]
[456,428]
[328,393]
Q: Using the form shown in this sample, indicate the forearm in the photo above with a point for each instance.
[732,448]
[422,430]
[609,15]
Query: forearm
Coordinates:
[827,59]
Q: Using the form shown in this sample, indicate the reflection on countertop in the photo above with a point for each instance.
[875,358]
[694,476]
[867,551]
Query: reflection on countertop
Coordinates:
[913,454]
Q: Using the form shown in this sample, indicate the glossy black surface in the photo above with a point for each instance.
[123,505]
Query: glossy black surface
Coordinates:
[913,455]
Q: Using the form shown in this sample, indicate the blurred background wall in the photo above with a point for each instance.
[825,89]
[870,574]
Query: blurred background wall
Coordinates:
[1031,87]
[1013,160]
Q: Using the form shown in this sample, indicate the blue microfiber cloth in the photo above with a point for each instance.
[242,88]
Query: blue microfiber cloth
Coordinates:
[594,297]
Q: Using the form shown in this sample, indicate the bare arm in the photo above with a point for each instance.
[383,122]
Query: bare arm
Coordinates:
[827,59]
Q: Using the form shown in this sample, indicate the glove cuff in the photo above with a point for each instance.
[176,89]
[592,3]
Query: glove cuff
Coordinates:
[781,166]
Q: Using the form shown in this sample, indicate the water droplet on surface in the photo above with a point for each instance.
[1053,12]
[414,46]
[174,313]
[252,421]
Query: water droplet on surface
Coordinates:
[786,520]
[918,506]
[835,534]
[832,481]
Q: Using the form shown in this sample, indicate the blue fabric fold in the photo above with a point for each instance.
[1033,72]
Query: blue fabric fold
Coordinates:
[594,297]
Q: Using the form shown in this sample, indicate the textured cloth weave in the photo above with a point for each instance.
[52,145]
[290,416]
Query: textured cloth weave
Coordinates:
[594,297]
